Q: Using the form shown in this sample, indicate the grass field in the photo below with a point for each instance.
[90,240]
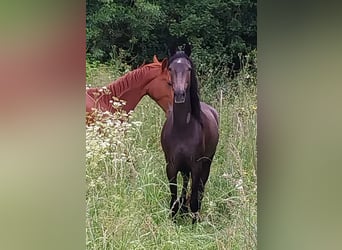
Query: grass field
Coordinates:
[127,197]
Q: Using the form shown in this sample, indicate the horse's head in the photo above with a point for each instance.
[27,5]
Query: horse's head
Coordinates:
[159,88]
[180,68]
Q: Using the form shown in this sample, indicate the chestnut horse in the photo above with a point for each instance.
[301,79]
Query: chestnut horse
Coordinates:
[151,79]
[189,136]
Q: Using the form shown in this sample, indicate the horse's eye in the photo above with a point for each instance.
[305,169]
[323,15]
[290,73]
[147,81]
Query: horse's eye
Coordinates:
[169,83]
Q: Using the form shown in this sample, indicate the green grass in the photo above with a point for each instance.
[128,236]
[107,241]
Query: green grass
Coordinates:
[127,190]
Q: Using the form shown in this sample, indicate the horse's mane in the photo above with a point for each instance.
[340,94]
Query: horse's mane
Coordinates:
[132,78]
[194,90]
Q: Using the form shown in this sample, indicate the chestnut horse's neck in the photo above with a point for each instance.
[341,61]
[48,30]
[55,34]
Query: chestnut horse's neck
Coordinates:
[132,86]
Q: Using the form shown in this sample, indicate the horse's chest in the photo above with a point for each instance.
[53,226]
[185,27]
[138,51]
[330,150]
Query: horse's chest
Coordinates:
[183,150]
[188,136]
[184,144]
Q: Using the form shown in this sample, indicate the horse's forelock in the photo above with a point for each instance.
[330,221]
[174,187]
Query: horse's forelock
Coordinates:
[179,54]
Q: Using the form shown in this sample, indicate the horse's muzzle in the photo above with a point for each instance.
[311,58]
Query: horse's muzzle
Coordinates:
[180,97]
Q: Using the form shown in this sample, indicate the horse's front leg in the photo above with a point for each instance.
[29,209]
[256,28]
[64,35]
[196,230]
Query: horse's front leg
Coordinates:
[184,208]
[195,192]
[172,176]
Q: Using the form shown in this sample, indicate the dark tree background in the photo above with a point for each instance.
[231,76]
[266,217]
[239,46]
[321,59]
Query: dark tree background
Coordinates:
[220,31]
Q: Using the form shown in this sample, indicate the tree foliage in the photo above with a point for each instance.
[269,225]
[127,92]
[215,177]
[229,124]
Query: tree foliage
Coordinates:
[134,30]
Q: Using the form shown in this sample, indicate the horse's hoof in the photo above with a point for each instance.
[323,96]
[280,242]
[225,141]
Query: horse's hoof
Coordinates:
[195,217]
[195,221]
[174,208]
[184,209]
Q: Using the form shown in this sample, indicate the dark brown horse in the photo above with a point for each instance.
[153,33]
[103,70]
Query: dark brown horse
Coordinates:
[189,136]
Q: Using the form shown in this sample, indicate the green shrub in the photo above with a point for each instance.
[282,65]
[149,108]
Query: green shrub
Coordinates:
[218,29]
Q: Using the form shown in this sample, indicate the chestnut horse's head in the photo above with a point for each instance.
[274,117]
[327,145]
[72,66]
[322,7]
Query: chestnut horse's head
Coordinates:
[159,88]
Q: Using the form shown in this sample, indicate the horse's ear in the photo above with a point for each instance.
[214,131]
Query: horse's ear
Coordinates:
[155,59]
[142,64]
[164,64]
[172,50]
[187,49]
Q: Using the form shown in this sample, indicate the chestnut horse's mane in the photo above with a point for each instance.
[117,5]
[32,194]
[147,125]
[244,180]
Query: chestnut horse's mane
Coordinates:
[126,82]
[132,78]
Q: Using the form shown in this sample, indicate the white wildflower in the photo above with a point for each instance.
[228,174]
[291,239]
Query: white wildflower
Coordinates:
[137,123]
[239,184]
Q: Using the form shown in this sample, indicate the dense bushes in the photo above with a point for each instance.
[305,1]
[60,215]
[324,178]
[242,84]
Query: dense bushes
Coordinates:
[134,30]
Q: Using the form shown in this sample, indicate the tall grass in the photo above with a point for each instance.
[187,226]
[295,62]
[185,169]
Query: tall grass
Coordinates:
[127,190]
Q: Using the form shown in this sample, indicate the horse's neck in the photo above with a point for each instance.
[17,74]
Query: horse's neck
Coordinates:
[131,87]
[182,113]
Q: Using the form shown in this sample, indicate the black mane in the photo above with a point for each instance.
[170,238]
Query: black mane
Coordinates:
[194,90]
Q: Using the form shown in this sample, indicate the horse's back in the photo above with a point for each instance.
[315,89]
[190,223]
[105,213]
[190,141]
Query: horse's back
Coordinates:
[207,109]
[89,100]
[211,126]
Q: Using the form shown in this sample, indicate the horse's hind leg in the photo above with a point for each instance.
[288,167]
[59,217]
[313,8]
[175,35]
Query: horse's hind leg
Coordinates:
[199,179]
[203,180]
[184,208]
[172,176]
